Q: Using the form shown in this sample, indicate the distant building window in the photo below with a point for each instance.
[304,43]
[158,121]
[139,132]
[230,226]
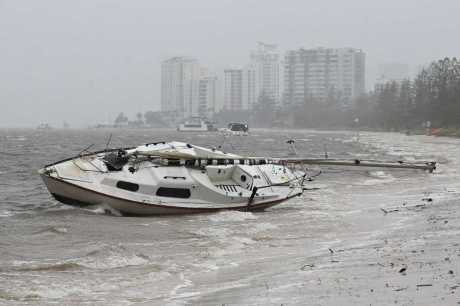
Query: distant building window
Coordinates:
[127,186]
[173,192]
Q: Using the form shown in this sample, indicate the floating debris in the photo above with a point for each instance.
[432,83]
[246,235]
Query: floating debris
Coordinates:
[304,267]
[403,270]
[400,289]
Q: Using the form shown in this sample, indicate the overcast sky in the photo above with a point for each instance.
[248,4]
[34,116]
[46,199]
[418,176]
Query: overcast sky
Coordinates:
[84,61]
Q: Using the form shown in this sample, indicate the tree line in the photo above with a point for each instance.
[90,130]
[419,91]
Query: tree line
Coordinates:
[147,119]
[432,96]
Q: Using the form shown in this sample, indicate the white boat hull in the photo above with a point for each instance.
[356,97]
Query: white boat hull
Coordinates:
[71,194]
[196,125]
[183,128]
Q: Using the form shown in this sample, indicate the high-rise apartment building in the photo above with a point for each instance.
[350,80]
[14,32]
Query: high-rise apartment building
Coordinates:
[318,73]
[180,80]
[239,88]
[208,96]
[266,64]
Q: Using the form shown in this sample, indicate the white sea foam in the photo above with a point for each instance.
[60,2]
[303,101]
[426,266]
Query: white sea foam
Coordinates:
[53,230]
[98,210]
[17,138]
[232,215]
[60,229]
[262,227]
[212,289]
[105,210]
[113,261]
[376,182]
[17,263]
[158,275]
[349,140]
[214,232]
[240,241]
[112,257]
[207,266]
[378,177]
[379,174]
[6,213]
[184,283]
[51,291]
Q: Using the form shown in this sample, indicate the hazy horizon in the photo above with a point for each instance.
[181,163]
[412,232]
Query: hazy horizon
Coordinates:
[84,62]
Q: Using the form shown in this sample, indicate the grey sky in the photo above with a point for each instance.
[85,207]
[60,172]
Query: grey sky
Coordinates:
[84,61]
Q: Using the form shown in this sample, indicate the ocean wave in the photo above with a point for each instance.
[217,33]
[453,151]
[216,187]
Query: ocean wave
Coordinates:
[114,261]
[41,266]
[6,214]
[9,296]
[113,257]
[106,258]
[16,137]
[51,292]
[52,229]
[56,267]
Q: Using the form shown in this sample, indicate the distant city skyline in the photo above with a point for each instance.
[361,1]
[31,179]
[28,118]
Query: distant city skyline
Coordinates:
[316,73]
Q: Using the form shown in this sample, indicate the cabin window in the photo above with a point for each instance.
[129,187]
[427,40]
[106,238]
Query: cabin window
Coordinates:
[173,192]
[128,186]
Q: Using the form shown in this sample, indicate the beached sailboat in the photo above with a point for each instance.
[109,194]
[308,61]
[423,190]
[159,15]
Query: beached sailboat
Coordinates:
[177,178]
[171,178]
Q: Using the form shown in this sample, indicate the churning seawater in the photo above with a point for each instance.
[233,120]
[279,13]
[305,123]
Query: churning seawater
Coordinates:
[56,254]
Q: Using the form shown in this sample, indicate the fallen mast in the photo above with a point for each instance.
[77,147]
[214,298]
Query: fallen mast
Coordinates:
[429,166]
